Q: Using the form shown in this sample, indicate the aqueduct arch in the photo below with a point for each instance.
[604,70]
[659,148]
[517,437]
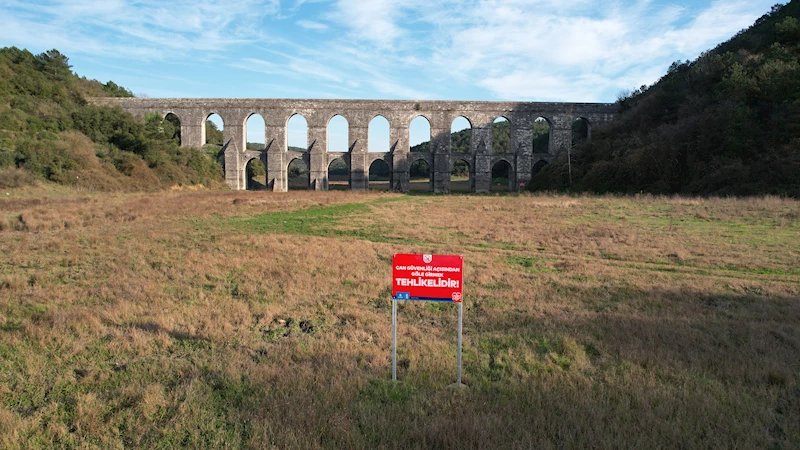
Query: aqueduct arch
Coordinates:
[358,114]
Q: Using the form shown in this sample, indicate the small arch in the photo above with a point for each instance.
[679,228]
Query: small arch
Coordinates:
[419,134]
[213,127]
[501,135]
[378,135]
[338,134]
[461,135]
[380,175]
[581,131]
[298,175]
[255,132]
[502,177]
[297,133]
[419,175]
[255,175]
[538,166]
[172,126]
[338,175]
[460,178]
[541,135]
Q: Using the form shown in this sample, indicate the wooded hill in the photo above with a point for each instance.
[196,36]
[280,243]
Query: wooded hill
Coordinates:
[49,132]
[727,123]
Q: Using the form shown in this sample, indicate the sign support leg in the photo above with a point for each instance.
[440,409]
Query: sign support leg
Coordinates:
[460,323]
[394,340]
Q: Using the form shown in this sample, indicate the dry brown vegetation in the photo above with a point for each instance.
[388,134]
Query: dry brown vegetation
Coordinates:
[213,319]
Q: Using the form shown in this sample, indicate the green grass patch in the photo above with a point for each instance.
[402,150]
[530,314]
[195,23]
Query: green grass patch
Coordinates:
[325,221]
[531,264]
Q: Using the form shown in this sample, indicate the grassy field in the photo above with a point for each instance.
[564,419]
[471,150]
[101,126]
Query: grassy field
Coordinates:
[255,319]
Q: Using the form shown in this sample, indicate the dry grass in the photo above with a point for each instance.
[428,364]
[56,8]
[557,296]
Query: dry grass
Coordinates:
[209,319]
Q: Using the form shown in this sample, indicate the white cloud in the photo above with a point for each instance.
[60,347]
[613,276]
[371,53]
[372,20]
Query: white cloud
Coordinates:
[373,20]
[145,29]
[579,50]
[520,52]
[311,25]
[290,67]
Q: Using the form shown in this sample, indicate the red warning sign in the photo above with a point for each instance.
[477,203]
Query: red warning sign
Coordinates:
[427,277]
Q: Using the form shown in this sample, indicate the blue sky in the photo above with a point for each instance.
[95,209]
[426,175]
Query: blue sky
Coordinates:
[526,50]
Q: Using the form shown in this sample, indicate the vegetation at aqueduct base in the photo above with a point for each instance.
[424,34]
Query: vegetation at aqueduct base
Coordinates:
[48,132]
[727,123]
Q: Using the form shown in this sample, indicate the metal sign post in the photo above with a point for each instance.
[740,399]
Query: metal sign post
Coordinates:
[460,316]
[394,340]
[427,277]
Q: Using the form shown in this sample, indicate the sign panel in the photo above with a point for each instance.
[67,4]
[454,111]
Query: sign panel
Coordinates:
[427,277]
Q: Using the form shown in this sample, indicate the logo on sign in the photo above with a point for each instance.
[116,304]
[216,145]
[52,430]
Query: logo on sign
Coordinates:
[427,258]
[456,297]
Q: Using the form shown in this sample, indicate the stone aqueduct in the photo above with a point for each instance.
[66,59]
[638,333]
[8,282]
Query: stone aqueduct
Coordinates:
[358,113]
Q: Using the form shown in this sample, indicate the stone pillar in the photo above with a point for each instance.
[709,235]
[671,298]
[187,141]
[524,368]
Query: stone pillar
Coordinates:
[277,170]
[277,174]
[359,171]
[440,156]
[561,140]
[560,134]
[482,149]
[318,158]
[192,130]
[318,171]
[233,136]
[513,186]
[524,155]
[401,181]
[399,146]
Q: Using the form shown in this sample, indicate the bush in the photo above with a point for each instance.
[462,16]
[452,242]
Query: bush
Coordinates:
[13,178]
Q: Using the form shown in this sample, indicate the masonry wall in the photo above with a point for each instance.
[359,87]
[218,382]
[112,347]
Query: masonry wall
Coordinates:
[440,114]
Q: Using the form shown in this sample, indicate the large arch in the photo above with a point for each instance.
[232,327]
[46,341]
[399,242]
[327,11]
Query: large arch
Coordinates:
[379,175]
[502,176]
[501,135]
[538,166]
[461,177]
[255,133]
[461,135]
[379,133]
[581,131]
[213,128]
[542,135]
[298,175]
[172,120]
[297,133]
[419,134]
[338,134]
[420,175]
[338,174]
[255,175]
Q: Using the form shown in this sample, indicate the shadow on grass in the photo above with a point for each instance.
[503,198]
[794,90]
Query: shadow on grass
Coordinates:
[655,368]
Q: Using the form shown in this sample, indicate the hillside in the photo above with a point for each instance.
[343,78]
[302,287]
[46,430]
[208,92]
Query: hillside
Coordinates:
[48,132]
[727,123]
